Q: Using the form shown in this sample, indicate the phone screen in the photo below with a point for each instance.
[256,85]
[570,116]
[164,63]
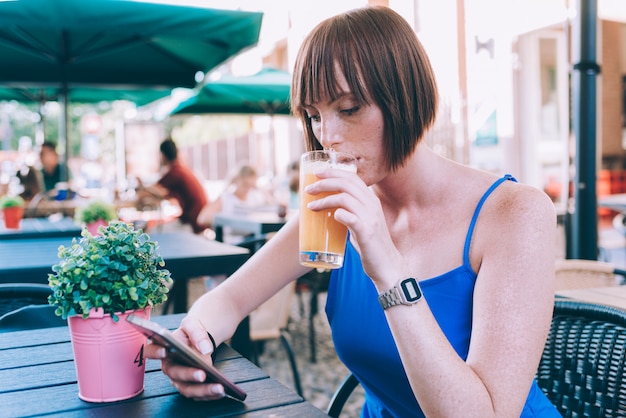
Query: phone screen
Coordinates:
[184,354]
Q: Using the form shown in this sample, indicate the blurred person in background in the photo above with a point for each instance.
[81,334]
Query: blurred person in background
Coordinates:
[51,167]
[27,172]
[177,182]
[240,196]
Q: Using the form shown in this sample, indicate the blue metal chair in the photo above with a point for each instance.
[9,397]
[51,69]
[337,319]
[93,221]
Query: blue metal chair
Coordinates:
[25,306]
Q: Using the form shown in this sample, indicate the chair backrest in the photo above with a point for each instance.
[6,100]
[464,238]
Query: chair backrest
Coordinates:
[341,395]
[16,295]
[581,274]
[582,370]
[25,306]
[31,317]
[267,320]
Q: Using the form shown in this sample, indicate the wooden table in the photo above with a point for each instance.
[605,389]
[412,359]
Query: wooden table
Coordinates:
[37,376]
[186,256]
[616,202]
[42,227]
[612,296]
[41,206]
[253,223]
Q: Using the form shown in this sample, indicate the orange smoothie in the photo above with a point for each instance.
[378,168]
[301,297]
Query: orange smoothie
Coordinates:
[322,238]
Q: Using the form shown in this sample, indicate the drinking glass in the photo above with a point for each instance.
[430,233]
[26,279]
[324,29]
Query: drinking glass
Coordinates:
[322,238]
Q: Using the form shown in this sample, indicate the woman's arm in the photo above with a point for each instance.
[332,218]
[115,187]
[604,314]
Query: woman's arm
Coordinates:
[208,212]
[222,309]
[513,246]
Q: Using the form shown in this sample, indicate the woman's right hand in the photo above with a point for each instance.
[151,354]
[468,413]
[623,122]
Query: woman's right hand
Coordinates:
[189,381]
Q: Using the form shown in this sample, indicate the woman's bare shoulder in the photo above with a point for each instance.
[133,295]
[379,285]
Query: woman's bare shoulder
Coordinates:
[519,204]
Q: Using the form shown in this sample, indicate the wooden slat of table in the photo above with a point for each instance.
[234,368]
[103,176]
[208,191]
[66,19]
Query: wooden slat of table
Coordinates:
[612,296]
[48,372]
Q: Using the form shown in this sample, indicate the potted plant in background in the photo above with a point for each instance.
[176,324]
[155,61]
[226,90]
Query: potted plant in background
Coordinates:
[12,211]
[95,214]
[97,283]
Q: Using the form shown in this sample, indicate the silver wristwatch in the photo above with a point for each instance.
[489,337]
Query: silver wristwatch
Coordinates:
[406,292]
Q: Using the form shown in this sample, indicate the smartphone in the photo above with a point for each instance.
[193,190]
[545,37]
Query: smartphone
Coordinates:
[184,354]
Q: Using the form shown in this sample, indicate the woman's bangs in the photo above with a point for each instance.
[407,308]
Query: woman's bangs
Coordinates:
[320,83]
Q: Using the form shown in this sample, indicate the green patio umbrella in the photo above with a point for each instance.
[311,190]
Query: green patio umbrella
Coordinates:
[139,96]
[264,92]
[116,44]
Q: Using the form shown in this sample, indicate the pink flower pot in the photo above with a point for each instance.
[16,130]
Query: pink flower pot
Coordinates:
[93,227]
[108,356]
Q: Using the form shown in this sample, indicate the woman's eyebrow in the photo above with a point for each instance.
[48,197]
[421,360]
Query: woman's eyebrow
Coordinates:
[342,95]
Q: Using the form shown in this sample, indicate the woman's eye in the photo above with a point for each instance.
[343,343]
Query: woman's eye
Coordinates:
[314,118]
[350,111]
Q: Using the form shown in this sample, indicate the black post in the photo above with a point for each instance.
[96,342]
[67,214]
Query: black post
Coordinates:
[585,216]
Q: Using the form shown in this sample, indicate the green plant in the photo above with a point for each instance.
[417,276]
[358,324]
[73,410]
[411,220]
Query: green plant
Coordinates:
[11,202]
[119,270]
[96,210]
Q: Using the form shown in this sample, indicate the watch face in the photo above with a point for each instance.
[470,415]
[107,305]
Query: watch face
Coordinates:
[411,290]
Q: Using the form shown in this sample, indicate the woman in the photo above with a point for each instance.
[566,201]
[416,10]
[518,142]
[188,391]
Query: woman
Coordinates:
[240,195]
[481,247]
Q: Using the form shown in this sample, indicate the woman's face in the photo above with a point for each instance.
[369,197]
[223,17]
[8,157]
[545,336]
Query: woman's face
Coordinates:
[247,183]
[346,126]
[49,158]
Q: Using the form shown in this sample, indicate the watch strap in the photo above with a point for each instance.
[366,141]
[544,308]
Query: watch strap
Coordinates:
[406,292]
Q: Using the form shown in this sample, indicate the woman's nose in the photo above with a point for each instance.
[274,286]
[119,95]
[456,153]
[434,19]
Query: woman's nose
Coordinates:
[329,135]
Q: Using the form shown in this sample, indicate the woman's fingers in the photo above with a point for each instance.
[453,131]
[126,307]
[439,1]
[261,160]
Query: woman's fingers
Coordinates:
[190,382]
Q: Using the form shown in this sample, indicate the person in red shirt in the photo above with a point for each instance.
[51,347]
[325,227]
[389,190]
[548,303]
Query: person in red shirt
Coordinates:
[178,183]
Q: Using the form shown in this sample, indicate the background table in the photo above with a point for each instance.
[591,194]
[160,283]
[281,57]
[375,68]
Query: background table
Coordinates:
[612,296]
[616,202]
[37,376]
[253,223]
[186,256]
[42,227]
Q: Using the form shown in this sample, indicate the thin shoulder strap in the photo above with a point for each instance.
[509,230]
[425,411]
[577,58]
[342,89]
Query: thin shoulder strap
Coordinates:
[470,232]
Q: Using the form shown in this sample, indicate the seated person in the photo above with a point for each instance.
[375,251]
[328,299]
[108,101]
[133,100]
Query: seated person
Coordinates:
[52,170]
[30,179]
[179,183]
[240,196]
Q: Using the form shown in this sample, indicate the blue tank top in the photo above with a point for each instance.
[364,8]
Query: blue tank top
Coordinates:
[364,343]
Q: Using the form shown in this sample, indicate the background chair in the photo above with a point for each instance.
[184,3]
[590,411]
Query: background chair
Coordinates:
[16,295]
[31,317]
[25,306]
[269,321]
[580,274]
[315,282]
[341,395]
[582,370]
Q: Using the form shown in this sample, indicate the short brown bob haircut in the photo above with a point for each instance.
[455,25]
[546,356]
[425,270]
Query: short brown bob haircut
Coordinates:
[384,64]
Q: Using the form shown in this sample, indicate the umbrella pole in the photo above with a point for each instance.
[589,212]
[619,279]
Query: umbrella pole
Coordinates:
[63,145]
[585,217]
[40,128]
